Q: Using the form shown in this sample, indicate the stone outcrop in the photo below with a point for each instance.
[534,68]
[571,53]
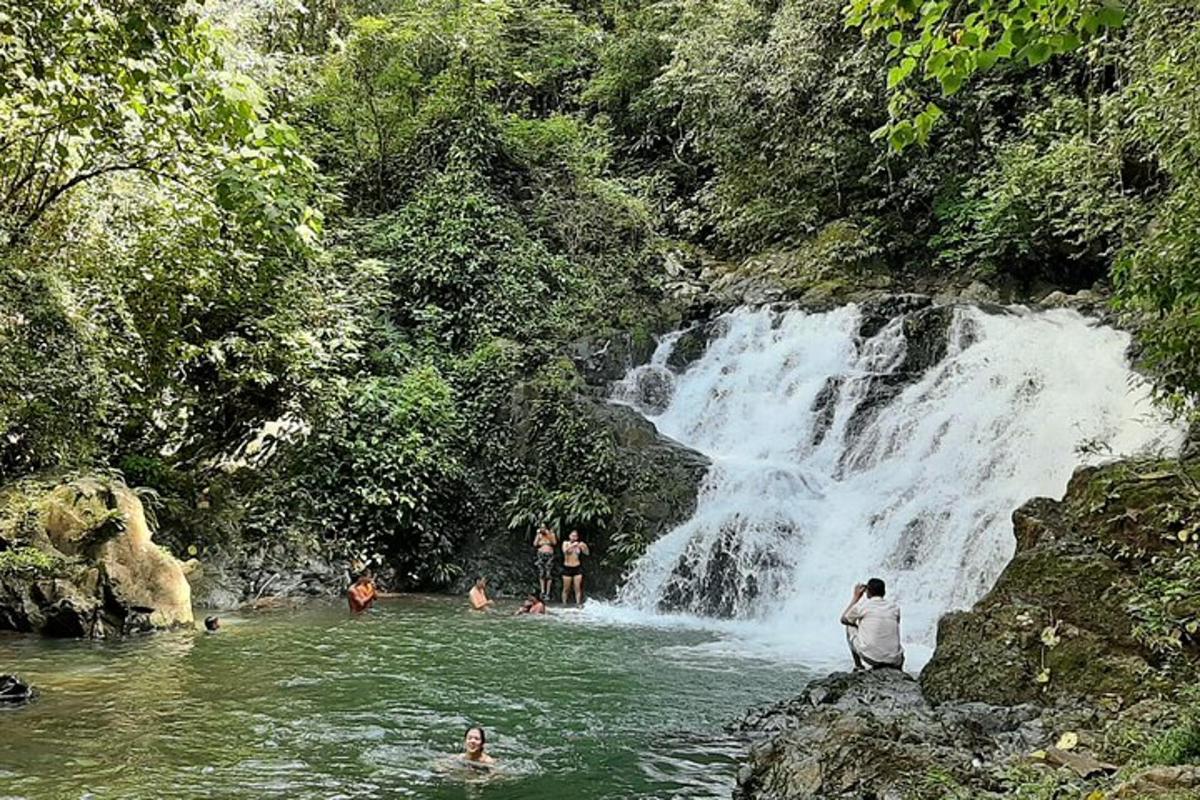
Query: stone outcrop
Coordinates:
[272,570]
[602,359]
[1060,622]
[659,491]
[872,734]
[78,561]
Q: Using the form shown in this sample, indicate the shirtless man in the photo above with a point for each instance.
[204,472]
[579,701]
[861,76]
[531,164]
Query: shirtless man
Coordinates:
[478,595]
[544,542]
[362,593]
[572,549]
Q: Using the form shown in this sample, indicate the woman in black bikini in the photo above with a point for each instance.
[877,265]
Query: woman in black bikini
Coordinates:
[543,558]
[573,550]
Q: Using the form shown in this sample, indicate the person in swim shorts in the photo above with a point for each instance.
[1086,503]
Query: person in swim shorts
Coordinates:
[544,542]
[573,551]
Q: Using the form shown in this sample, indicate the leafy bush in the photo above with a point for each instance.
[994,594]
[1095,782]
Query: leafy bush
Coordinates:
[29,562]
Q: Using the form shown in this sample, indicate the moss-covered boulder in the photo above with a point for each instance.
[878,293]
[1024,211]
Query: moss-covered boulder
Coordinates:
[77,559]
[839,264]
[1098,603]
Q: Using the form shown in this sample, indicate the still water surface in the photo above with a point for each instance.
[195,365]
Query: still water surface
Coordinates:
[314,703]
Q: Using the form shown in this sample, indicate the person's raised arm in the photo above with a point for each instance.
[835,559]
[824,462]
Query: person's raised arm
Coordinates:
[850,616]
[583,546]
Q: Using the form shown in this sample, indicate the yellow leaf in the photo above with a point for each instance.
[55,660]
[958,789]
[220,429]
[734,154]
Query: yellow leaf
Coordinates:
[1050,635]
[1043,676]
[1095,794]
[1040,755]
[192,550]
[1068,741]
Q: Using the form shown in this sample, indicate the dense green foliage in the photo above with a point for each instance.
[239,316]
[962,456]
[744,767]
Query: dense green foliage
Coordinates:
[309,272]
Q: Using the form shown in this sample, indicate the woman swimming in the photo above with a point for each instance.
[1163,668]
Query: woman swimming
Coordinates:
[473,747]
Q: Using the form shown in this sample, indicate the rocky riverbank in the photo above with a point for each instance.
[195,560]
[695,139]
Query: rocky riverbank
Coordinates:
[1074,677]
[77,559]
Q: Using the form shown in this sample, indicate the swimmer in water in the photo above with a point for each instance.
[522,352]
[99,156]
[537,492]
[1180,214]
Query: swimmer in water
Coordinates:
[532,605]
[478,595]
[473,748]
[363,593]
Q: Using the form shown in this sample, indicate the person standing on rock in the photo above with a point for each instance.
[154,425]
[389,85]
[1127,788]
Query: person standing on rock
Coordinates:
[544,542]
[873,627]
[573,549]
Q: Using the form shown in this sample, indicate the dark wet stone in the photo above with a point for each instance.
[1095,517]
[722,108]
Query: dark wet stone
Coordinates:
[603,359]
[14,691]
[926,342]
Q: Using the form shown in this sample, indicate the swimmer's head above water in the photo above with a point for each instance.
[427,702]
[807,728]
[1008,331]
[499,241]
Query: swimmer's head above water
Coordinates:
[473,746]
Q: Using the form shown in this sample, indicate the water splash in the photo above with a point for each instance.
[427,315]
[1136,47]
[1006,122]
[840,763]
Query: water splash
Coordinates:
[903,453]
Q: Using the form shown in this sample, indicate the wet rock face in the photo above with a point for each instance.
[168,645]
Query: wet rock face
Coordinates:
[1059,625]
[271,571]
[653,389]
[604,359]
[926,336]
[872,734]
[88,566]
[662,482]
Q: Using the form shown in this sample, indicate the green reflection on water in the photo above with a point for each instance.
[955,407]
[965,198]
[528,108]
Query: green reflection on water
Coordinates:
[315,703]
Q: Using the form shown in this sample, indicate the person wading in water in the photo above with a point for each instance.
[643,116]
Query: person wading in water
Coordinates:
[573,549]
[544,542]
[478,595]
[362,593]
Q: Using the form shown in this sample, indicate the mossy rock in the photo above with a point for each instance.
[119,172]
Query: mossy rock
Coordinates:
[78,560]
[1068,617]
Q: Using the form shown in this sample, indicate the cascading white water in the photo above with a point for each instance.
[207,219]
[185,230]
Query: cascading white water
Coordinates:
[820,479]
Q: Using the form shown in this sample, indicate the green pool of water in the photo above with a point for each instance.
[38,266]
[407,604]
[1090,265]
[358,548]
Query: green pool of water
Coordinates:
[315,703]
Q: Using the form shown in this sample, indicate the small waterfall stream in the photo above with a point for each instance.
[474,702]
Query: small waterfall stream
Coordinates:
[845,447]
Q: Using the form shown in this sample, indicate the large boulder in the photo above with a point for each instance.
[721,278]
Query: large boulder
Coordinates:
[872,734]
[77,559]
[1085,610]
[604,358]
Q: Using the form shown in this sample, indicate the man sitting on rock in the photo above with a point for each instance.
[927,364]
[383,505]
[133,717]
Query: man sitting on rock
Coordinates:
[873,627]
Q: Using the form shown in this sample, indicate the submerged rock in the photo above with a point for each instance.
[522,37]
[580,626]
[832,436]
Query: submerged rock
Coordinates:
[14,691]
[78,561]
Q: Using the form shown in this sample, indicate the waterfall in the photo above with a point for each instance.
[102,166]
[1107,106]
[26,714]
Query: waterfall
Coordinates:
[846,446]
